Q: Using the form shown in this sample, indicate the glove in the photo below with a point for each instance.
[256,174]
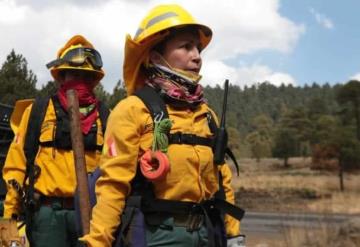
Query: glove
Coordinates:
[236,241]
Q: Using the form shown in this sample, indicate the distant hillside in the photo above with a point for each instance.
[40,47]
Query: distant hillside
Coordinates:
[264,98]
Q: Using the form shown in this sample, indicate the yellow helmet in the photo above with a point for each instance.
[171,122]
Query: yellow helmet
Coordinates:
[151,31]
[77,48]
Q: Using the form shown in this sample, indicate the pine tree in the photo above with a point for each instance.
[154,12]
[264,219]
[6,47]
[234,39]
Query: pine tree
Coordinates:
[16,80]
[101,94]
[350,93]
[49,89]
[118,94]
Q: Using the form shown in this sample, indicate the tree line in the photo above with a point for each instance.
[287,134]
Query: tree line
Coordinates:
[263,120]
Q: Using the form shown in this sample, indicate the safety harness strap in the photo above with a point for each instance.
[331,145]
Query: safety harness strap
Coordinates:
[157,107]
[61,115]
[205,208]
[232,157]
[170,206]
[32,142]
[228,208]
[154,103]
[31,147]
[210,209]
[104,113]
[189,139]
[220,194]
[52,144]
[32,137]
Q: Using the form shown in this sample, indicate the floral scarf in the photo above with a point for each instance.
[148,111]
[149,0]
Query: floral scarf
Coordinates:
[175,86]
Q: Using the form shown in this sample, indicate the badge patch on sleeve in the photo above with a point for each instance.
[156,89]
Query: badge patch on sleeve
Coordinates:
[109,147]
[17,138]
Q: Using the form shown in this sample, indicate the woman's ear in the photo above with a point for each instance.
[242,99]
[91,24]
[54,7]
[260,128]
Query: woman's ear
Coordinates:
[155,57]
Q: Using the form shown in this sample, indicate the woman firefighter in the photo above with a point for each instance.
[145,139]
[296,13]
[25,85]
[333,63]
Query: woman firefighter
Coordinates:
[39,168]
[159,179]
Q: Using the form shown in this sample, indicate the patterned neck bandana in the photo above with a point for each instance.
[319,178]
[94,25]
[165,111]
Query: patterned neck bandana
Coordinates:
[179,88]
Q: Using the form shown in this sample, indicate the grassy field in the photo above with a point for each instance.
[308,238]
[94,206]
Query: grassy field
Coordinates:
[267,186]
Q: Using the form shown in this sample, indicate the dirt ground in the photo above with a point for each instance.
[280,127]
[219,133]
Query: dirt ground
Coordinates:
[268,186]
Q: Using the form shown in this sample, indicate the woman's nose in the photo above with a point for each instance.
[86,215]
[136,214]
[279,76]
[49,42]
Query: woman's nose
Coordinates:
[196,58]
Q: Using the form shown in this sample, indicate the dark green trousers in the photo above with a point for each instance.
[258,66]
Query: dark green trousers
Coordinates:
[168,234]
[54,226]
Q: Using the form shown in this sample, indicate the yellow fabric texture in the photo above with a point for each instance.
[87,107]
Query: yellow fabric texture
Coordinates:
[232,225]
[192,176]
[57,177]
[135,55]
[17,113]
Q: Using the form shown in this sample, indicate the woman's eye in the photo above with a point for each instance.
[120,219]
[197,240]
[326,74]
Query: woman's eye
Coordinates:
[190,46]
[187,46]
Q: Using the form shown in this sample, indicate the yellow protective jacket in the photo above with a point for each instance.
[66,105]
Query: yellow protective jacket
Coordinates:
[192,176]
[57,176]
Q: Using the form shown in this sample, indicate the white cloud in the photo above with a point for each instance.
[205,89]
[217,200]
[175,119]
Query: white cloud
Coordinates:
[11,13]
[39,28]
[278,78]
[355,77]
[322,19]
[215,72]
[248,27]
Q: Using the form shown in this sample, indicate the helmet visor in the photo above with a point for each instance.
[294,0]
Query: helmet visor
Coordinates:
[78,56]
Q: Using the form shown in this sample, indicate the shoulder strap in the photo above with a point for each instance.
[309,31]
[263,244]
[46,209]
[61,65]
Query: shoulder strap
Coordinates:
[37,116]
[212,124]
[32,143]
[103,114]
[158,111]
[232,157]
[153,102]
[220,194]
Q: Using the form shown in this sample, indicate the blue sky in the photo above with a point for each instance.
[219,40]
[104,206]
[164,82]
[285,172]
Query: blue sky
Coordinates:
[323,54]
[279,41]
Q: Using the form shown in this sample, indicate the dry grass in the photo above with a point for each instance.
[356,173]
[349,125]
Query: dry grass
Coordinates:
[268,186]
[300,237]
[297,188]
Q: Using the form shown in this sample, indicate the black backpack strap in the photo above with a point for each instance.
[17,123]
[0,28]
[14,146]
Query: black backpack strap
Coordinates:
[211,122]
[190,139]
[32,136]
[220,194]
[228,208]
[103,114]
[31,147]
[154,103]
[232,157]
